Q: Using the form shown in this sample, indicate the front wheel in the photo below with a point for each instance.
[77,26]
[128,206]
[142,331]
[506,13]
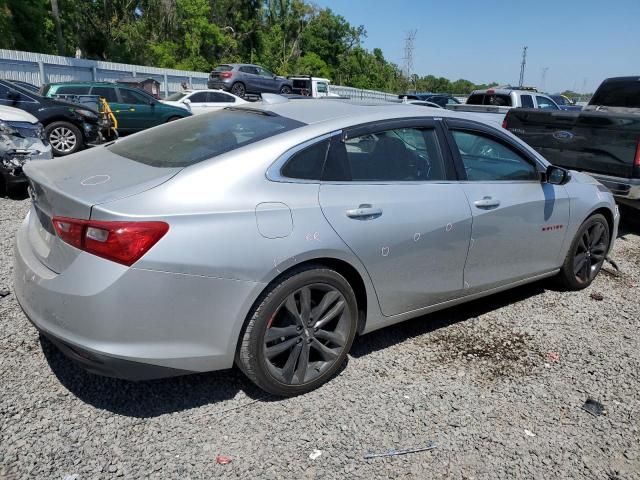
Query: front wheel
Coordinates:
[586,254]
[286,89]
[300,333]
[65,138]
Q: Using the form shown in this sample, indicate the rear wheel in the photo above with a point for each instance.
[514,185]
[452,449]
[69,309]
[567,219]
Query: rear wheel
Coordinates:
[300,333]
[587,253]
[238,89]
[65,138]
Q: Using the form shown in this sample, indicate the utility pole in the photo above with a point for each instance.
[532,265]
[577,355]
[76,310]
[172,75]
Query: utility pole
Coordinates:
[408,55]
[522,65]
[543,83]
[55,12]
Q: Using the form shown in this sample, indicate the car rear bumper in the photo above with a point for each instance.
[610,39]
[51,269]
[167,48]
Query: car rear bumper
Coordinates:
[218,84]
[132,323]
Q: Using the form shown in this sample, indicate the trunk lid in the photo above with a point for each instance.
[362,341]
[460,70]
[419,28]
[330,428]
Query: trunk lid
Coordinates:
[71,186]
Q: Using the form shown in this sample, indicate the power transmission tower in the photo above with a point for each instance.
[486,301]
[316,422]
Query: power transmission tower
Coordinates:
[522,65]
[408,54]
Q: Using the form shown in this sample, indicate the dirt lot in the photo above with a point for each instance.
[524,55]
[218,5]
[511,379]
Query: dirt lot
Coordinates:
[496,385]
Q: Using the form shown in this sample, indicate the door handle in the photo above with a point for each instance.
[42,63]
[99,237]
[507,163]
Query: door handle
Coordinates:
[487,203]
[364,212]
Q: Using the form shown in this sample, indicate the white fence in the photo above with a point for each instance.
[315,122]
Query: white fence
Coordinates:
[38,68]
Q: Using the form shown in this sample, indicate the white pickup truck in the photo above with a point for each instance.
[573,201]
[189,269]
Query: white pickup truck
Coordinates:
[494,103]
[308,86]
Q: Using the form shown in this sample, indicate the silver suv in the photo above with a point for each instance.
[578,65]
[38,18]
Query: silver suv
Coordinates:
[243,78]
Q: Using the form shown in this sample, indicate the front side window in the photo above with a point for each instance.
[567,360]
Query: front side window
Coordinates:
[201,137]
[265,73]
[404,154]
[307,164]
[322,87]
[129,96]
[108,93]
[547,103]
[487,159]
[199,97]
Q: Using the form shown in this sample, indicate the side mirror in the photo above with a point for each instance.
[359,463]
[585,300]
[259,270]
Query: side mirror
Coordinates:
[557,175]
[186,101]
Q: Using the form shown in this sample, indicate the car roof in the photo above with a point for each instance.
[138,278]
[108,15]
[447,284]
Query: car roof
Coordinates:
[315,111]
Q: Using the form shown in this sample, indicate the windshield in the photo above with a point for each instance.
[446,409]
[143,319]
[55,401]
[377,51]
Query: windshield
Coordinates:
[618,94]
[194,139]
[174,97]
[18,88]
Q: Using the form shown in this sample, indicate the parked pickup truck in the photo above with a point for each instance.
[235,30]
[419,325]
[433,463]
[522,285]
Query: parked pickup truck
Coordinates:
[602,140]
[492,104]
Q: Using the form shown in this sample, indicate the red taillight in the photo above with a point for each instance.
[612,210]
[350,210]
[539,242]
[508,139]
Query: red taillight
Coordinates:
[491,91]
[504,123]
[636,161]
[121,242]
[225,75]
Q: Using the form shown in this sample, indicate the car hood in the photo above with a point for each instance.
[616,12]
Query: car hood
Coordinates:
[10,114]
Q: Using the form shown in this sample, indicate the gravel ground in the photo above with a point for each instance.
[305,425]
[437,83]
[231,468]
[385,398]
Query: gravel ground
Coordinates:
[481,381]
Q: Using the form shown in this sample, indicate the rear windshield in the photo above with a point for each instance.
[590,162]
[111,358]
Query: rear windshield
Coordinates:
[223,68]
[201,137]
[618,94]
[493,99]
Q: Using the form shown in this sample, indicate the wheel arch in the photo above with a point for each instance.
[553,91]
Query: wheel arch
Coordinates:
[608,215]
[344,268]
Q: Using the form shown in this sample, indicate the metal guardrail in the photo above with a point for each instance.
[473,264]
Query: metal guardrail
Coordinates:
[38,68]
[361,94]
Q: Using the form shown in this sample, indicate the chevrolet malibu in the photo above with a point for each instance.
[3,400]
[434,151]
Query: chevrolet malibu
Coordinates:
[269,236]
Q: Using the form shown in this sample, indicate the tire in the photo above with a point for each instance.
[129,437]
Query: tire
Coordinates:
[586,254]
[286,89]
[280,351]
[238,89]
[65,138]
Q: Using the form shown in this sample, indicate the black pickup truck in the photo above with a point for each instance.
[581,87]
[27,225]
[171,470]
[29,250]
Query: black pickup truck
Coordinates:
[602,140]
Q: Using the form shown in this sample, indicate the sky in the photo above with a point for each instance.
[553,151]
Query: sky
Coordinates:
[578,42]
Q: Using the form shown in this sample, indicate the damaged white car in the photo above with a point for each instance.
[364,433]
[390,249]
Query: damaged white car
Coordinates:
[21,139]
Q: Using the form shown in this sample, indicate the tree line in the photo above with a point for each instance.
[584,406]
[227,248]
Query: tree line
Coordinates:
[285,36]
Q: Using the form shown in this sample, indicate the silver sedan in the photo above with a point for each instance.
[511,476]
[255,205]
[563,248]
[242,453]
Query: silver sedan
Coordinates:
[269,236]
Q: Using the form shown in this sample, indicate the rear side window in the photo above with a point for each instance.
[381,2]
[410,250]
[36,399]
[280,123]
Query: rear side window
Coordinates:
[404,154]
[71,90]
[307,164]
[618,94]
[109,93]
[201,137]
[527,101]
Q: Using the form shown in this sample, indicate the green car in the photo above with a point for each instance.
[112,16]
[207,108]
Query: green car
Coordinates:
[134,109]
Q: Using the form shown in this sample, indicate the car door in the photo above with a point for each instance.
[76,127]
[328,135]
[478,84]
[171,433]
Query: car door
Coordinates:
[267,81]
[218,100]
[120,110]
[251,79]
[546,103]
[519,222]
[199,102]
[139,109]
[387,191]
